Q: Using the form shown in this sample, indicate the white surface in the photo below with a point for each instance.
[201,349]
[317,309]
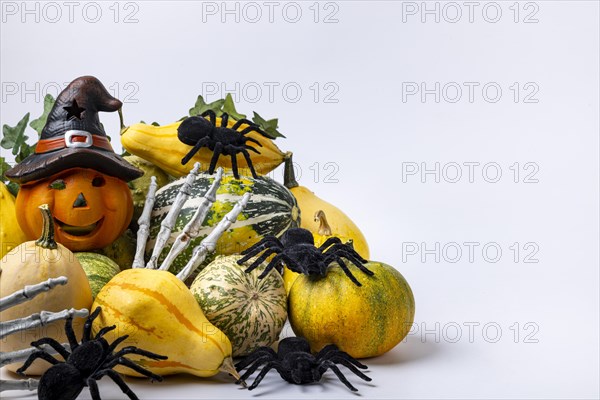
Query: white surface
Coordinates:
[171,54]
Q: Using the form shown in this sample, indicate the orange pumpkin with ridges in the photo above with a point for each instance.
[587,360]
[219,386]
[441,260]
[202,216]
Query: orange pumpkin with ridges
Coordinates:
[90,209]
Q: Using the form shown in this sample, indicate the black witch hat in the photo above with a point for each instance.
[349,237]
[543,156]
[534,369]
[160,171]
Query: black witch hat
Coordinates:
[74,138]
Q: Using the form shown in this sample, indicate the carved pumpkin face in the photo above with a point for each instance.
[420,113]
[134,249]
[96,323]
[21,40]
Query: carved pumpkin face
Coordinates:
[90,209]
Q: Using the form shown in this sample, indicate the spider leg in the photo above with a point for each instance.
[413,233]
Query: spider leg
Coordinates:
[249,139]
[224,120]
[329,242]
[104,331]
[346,363]
[354,260]
[252,368]
[252,128]
[234,167]
[254,356]
[117,342]
[54,344]
[291,264]
[233,150]
[130,364]
[71,334]
[270,239]
[336,370]
[213,161]
[344,268]
[247,147]
[249,162]
[260,259]
[343,247]
[239,122]
[332,351]
[201,142]
[270,365]
[87,327]
[120,382]
[211,115]
[91,382]
[34,356]
[135,350]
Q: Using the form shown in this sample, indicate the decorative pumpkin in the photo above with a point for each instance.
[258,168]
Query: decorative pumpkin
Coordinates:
[364,321]
[90,209]
[75,170]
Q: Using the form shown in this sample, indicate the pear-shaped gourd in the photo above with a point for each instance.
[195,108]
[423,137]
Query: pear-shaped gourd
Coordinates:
[37,261]
[340,224]
[160,314]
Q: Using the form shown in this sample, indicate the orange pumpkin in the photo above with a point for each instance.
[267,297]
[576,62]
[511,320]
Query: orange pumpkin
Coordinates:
[90,209]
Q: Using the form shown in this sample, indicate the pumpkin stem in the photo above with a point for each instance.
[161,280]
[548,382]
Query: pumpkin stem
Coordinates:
[289,178]
[324,228]
[47,239]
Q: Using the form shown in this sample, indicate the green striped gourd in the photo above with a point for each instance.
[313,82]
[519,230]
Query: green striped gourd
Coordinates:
[250,311]
[272,210]
[99,269]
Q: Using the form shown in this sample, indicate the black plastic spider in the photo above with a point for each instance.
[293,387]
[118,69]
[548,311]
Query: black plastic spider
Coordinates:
[199,132]
[297,251]
[86,363]
[296,364]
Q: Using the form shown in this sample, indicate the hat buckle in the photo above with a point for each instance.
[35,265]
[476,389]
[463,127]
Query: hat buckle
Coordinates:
[76,133]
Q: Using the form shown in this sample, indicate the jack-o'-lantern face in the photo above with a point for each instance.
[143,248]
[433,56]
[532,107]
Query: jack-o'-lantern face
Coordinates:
[90,209]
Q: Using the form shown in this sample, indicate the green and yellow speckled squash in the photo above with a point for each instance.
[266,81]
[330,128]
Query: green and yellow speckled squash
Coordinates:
[250,311]
[98,268]
[272,210]
[364,321]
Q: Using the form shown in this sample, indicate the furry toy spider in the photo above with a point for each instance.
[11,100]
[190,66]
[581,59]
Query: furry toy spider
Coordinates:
[199,132]
[87,362]
[296,364]
[297,250]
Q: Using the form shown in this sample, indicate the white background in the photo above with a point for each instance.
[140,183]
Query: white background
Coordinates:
[371,53]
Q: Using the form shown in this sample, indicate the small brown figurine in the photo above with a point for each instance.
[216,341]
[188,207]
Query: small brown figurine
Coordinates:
[76,172]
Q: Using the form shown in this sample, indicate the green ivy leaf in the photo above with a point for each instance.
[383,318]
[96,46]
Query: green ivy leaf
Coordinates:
[24,151]
[269,127]
[229,108]
[201,106]
[14,138]
[39,123]
[12,187]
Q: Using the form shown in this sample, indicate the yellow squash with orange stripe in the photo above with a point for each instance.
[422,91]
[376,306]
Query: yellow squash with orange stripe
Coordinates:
[161,146]
[160,314]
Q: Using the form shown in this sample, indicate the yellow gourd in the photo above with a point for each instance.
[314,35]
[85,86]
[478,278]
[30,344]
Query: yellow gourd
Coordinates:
[11,234]
[160,314]
[161,146]
[31,263]
[364,321]
[340,224]
[328,220]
